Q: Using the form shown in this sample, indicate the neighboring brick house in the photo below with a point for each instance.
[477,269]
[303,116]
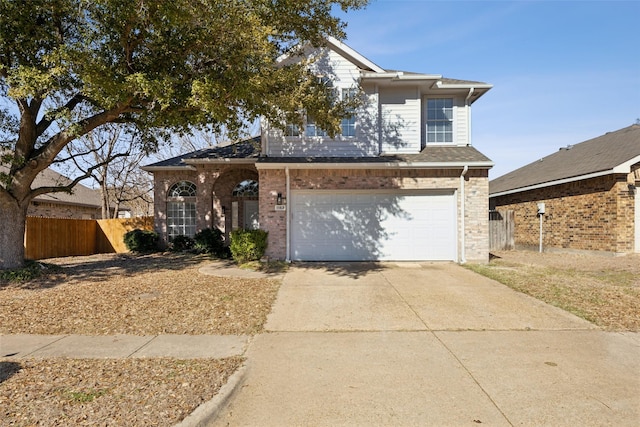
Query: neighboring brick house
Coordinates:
[401,182]
[82,203]
[589,191]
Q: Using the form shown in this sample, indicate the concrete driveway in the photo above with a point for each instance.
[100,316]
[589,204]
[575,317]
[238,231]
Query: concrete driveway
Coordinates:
[429,344]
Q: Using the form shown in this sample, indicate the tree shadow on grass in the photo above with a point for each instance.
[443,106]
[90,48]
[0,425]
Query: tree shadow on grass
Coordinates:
[8,369]
[96,268]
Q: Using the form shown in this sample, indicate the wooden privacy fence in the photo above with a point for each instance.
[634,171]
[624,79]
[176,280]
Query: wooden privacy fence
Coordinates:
[57,237]
[501,230]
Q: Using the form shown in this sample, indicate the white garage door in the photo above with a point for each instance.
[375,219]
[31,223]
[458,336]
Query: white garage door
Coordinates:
[368,226]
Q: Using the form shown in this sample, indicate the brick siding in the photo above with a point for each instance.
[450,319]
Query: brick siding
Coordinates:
[476,189]
[57,210]
[215,184]
[596,214]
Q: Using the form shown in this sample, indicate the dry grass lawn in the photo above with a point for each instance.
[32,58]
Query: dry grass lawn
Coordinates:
[602,289]
[165,294]
[122,294]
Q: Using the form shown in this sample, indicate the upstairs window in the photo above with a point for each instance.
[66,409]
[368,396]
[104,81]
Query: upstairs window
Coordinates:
[439,120]
[348,124]
[313,129]
[292,130]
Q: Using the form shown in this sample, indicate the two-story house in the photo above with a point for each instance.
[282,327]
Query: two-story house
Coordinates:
[401,182]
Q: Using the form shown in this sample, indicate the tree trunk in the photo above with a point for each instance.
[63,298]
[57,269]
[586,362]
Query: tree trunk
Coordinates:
[12,228]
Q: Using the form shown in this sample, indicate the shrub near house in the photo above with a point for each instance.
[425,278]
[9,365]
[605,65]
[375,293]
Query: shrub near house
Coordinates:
[248,245]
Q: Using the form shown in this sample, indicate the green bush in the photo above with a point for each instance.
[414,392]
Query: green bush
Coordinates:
[209,241]
[181,243]
[30,271]
[141,240]
[248,245]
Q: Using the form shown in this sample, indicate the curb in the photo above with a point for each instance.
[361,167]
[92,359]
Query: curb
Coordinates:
[208,412]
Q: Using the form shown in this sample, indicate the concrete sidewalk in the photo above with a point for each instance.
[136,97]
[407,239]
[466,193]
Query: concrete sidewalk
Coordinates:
[122,346]
[429,344]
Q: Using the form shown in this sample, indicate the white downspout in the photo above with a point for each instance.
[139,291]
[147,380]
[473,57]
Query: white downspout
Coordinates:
[288,213]
[463,197]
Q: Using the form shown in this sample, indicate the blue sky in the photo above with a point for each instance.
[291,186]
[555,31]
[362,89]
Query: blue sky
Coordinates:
[563,71]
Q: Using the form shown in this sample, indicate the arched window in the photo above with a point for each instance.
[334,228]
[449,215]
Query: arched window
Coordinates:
[247,188]
[181,210]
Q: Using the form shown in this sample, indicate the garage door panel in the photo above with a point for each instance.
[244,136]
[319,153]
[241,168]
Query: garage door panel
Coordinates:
[347,226]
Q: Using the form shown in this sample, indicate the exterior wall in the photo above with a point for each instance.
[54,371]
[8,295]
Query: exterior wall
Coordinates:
[400,120]
[593,215]
[344,75]
[273,182]
[461,114]
[56,210]
[476,219]
[476,234]
[214,185]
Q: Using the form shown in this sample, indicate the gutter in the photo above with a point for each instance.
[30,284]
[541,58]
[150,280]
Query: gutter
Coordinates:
[220,160]
[463,258]
[384,165]
[167,168]
[556,182]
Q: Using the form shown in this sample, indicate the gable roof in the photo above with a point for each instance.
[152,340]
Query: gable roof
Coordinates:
[369,71]
[613,152]
[80,196]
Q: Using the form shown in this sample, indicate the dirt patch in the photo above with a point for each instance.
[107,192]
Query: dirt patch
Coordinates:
[123,294]
[602,289]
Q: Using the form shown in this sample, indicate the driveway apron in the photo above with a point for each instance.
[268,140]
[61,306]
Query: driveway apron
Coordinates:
[364,344]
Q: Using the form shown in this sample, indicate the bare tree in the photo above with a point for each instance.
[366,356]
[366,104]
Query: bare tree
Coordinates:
[111,158]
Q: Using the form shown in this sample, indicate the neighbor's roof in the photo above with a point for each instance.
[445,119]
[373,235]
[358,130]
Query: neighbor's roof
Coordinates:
[81,195]
[613,152]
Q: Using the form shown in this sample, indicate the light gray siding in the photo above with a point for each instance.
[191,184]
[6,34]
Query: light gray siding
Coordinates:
[400,116]
[344,74]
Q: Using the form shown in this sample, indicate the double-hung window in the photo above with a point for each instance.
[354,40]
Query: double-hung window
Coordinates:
[348,124]
[439,120]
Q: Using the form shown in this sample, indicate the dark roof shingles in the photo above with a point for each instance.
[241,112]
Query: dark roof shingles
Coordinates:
[246,149]
[431,154]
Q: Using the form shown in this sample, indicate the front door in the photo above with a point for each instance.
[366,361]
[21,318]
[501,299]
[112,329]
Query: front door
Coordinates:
[251,220]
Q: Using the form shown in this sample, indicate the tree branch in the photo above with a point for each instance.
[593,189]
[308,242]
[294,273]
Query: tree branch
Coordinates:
[49,118]
[69,187]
